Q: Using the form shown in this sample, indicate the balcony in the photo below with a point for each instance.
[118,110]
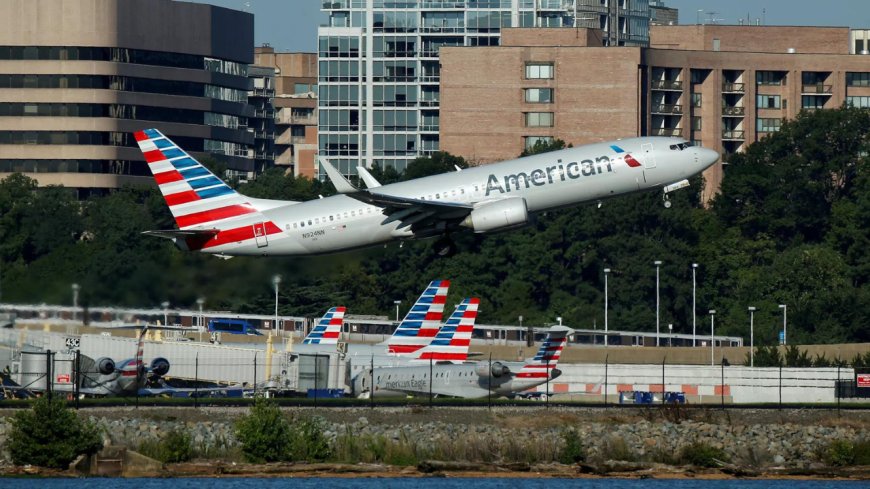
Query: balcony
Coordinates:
[664,131]
[430,79]
[729,87]
[666,85]
[817,89]
[263,92]
[335,4]
[287,117]
[732,135]
[264,114]
[667,109]
[430,103]
[733,111]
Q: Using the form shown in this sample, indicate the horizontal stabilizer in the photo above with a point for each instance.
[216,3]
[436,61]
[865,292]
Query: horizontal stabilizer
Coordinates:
[185,239]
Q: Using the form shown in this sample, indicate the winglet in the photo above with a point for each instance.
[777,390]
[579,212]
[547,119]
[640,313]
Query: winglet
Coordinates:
[341,183]
[367,177]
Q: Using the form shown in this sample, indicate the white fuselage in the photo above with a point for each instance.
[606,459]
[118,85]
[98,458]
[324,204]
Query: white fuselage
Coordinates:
[546,181]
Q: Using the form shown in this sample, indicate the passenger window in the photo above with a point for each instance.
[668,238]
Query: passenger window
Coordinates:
[330,218]
[462,190]
[437,196]
[302,224]
[294,225]
[309,222]
[352,213]
[316,220]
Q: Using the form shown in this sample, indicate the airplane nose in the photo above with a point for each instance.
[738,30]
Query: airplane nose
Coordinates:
[707,157]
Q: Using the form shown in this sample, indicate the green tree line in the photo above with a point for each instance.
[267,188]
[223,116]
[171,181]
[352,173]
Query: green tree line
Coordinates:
[791,225]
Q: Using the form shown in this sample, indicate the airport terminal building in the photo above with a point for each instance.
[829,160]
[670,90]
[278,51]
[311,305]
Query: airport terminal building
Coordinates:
[719,86]
[78,78]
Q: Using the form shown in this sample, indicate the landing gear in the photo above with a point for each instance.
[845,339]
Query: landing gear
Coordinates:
[667,201]
[445,247]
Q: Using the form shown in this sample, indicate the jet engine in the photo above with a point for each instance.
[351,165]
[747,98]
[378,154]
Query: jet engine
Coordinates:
[498,215]
[497,369]
[105,366]
[159,366]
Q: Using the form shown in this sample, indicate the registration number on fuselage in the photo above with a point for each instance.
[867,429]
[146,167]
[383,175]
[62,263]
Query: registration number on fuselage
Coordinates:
[313,234]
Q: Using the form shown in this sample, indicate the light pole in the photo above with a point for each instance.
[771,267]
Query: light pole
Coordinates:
[784,308]
[397,302]
[698,16]
[694,314]
[670,334]
[200,301]
[606,272]
[658,264]
[165,306]
[712,341]
[75,291]
[276,280]
[751,336]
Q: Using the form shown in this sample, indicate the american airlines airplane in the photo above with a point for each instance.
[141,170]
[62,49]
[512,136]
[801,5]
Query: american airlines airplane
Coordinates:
[467,380]
[214,218]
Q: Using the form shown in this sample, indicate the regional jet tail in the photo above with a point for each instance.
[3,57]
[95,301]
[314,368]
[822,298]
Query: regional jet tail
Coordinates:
[468,380]
[453,339]
[214,218]
[328,329]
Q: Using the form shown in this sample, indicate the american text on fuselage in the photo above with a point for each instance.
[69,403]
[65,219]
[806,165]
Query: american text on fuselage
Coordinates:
[544,176]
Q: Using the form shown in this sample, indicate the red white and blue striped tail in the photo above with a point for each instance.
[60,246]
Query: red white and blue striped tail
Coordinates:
[208,212]
[548,355]
[422,322]
[452,341]
[136,367]
[328,329]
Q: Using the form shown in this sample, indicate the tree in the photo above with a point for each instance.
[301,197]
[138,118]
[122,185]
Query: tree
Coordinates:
[50,435]
[265,434]
[541,146]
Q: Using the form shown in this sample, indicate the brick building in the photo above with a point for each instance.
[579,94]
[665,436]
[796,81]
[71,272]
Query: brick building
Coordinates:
[295,104]
[720,86]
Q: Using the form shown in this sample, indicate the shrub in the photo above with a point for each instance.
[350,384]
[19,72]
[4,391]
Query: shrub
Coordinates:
[51,435]
[173,448]
[702,455]
[264,434]
[572,449]
[615,448]
[308,441]
[839,453]
[862,452]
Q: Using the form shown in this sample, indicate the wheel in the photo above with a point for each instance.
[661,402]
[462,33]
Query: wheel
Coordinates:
[445,247]
[667,204]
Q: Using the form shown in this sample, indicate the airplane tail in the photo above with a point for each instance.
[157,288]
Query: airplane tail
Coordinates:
[547,358]
[136,368]
[452,341]
[328,328]
[422,322]
[207,211]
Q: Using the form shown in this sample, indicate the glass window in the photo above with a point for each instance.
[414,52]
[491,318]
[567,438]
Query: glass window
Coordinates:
[768,125]
[696,100]
[539,95]
[769,102]
[539,71]
[858,101]
[858,79]
[770,77]
[696,123]
[539,119]
[531,141]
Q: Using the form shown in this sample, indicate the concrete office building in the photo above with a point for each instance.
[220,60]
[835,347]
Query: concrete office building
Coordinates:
[262,123]
[77,78]
[295,105]
[379,67]
[720,86]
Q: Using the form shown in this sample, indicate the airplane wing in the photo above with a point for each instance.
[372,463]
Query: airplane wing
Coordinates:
[408,210]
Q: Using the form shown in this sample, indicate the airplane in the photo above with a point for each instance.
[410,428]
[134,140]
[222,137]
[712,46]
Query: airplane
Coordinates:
[213,218]
[467,380]
[328,329]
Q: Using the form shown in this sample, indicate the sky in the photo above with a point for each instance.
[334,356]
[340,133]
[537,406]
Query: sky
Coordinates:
[291,25]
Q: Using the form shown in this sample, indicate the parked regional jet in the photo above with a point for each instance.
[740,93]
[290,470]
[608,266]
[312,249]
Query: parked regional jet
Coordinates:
[467,380]
[214,218]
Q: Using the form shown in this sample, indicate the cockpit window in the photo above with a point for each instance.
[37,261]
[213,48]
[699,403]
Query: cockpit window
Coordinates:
[680,146]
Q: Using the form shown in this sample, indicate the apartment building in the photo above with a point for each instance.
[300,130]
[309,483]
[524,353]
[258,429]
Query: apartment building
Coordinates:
[380,73]
[295,103]
[723,87]
[78,78]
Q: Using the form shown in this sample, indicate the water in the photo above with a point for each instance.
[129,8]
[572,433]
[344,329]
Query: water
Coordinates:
[430,483]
